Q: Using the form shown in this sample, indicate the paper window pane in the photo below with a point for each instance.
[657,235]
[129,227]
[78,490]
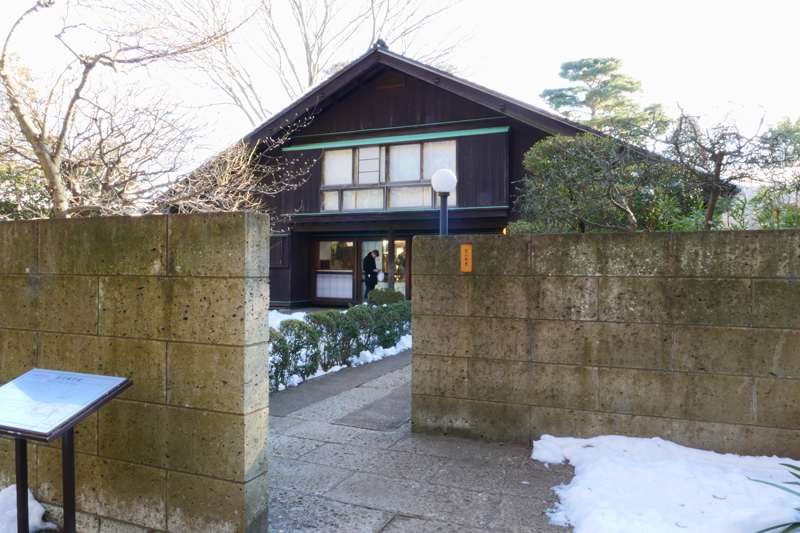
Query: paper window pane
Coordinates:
[330,200]
[369,199]
[348,200]
[362,199]
[383,164]
[404,162]
[400,197]
[338,167]
[335,286]
[438,155]
[370,152]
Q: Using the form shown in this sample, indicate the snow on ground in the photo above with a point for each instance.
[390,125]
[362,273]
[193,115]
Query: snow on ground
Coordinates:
[275,319]
[629,485]
[8,512]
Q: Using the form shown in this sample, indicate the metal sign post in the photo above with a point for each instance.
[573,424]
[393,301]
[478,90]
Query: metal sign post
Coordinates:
[43,405]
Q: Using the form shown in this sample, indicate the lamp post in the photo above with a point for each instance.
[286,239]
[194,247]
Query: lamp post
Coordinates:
[443,182]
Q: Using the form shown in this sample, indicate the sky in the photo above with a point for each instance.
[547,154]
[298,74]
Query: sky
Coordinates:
[699,54]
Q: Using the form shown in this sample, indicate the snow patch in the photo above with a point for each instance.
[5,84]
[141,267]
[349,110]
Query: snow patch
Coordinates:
[8,512]
[630,485]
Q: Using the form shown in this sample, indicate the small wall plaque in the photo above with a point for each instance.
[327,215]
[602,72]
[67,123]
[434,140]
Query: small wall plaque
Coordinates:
[466,258]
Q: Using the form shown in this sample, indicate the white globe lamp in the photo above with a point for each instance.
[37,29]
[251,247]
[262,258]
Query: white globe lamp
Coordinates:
[443,182]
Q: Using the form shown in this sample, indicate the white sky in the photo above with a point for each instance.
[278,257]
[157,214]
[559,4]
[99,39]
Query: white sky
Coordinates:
[698,53]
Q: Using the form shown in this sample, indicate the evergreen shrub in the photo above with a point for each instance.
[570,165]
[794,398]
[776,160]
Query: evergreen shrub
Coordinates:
[366,339]
[302,342]
[380,297]
[338,333]
[279,359]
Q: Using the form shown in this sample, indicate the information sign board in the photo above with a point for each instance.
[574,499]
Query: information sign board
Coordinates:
[44,405]
[41,402]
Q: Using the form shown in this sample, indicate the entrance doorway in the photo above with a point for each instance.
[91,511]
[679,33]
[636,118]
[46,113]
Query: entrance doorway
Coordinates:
[338,267]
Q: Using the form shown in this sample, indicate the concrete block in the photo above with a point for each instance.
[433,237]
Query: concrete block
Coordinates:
[128,492]
[503,297]
[776,304]
[131,246]
[491,380]
[256,324]
[441,295]
[20,303]
[52,303]
[573,387]
[84,522]
[202,504]
[641,346]
[635,300]
[714,398]
[436,255]
[256,504]
[143,362]
[565,255]
[498,255]
[487,338]
[8,468]
[219,244]
[204,376]
[747,254]
[188,440]
[740,351]
[636,392]
[19,242]
[441,416]
[439,376]
[737,438]
[714,302]
[492,255]
[17,353]
[256,377]
[587,424]
[567,298]
[113,526]
[67,304]
[182,309]
[500,422]
[778,403]
[597,254]
[85,436]
[254,438]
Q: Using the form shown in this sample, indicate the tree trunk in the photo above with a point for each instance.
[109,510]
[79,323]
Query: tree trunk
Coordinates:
[714,195]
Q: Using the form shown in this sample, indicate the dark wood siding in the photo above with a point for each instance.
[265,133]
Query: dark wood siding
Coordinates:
[522,138]
[306,198]
[482,167]
[415,103]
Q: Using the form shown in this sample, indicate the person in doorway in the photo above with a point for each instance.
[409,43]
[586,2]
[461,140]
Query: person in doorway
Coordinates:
[370,271]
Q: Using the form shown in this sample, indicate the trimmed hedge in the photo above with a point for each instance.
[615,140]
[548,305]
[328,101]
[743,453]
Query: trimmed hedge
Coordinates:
[329,338]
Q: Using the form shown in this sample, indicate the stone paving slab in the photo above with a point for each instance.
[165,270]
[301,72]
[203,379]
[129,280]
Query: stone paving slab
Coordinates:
[344,460]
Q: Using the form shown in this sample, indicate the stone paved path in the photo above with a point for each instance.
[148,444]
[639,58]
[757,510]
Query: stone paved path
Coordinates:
[343,459]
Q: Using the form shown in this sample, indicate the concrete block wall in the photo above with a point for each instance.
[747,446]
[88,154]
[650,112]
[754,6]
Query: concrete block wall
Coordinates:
[691,337]
[179,304]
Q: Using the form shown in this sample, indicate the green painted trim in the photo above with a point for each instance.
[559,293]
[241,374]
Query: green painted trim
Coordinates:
[289,302]
[398,139]
[334,213]
[279,235]
[397,128]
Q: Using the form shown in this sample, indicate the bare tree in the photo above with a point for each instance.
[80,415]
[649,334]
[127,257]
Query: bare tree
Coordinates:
[237,179]
[114,36]
[302,41]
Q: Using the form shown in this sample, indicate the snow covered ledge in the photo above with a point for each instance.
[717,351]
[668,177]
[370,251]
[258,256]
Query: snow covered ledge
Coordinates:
[178,304]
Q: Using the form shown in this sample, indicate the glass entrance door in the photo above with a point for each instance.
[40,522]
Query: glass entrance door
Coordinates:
[382,262]
[400,266]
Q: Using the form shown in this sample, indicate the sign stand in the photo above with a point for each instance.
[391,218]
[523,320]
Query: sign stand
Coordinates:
[43,405]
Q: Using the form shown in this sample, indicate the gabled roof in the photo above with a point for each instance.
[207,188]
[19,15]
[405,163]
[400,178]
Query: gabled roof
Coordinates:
[377,61]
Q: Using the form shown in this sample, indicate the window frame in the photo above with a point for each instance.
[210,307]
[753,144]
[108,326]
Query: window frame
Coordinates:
[384,181]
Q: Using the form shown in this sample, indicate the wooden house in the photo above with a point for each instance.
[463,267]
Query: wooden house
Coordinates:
[381,127]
